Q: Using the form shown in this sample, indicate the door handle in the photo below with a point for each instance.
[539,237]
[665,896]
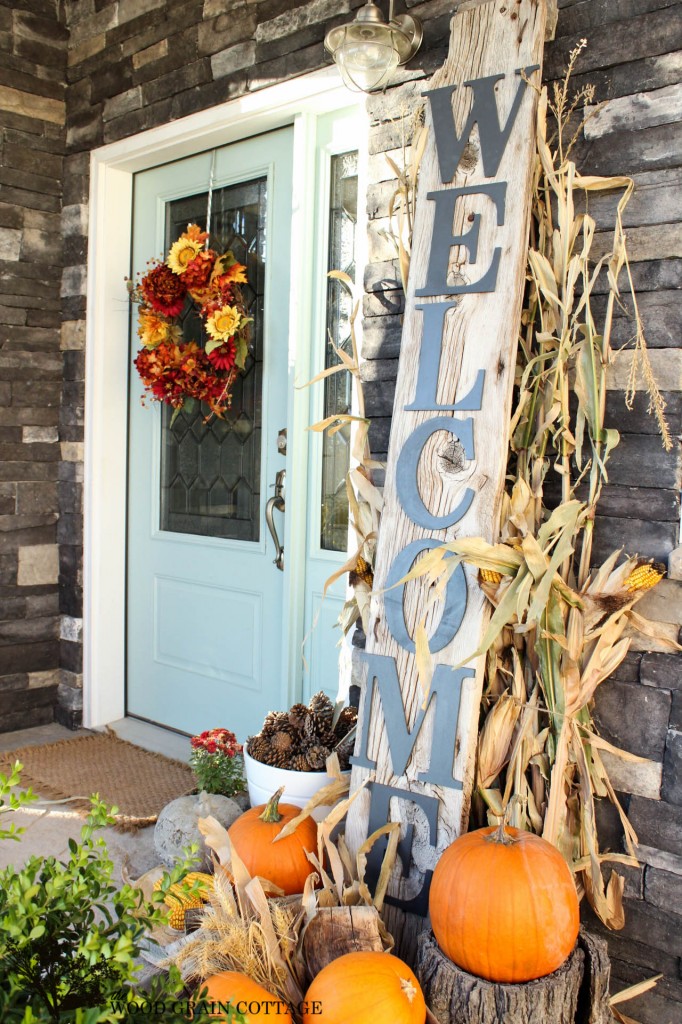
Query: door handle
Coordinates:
[276,502]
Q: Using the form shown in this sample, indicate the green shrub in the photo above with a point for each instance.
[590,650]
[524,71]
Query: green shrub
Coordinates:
[69,938]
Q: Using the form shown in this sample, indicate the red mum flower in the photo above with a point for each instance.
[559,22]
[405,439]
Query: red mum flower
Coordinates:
[163,290]
[224,355]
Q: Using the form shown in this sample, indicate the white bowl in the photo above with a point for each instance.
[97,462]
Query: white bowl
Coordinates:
[263,780]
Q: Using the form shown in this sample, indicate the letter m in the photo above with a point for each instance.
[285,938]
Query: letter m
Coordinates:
[446,691]
[484,112]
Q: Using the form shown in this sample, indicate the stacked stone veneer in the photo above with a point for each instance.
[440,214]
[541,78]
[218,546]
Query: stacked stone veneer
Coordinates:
[32,133]
[125,65]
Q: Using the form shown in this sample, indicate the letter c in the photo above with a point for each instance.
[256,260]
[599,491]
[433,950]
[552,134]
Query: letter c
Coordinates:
[408,462]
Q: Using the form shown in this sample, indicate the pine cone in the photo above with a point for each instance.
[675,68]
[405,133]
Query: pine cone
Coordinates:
[347,719]
[299,763]
[309,731]
[321,706]
[326,738]
[344,748]
[282,742]
[316,756]
[280,758]
[297,716]
[344,758]
[257,747]
[274,720]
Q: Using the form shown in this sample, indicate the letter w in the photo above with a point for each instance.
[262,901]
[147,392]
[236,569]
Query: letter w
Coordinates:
[484,113]
[446,691]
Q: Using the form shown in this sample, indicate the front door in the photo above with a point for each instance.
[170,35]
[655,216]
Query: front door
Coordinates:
[205,622]
[217,634]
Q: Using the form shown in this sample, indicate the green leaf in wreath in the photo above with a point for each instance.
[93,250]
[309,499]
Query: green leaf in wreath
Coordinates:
[242,351]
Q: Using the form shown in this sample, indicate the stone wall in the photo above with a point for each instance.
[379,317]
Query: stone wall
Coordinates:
[134,64]
[32,132]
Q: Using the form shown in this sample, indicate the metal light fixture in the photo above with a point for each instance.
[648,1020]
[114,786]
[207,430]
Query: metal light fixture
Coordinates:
[369,49]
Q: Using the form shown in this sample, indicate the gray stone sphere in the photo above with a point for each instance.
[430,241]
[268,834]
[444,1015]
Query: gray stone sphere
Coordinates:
[177,826]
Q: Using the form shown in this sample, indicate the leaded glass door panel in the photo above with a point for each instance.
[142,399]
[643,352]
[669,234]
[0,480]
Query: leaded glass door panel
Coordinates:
[210,473]
[204,624]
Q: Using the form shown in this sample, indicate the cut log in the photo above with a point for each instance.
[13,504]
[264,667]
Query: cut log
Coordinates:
[577,993]
[335,931]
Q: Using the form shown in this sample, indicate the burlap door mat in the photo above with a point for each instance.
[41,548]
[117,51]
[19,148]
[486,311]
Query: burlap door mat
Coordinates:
[137,782]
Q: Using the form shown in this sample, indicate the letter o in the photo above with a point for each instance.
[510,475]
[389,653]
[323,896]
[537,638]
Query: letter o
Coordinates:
[455,599]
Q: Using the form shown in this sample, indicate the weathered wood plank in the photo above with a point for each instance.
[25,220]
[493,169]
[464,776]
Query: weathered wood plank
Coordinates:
[479,333]
[632,113]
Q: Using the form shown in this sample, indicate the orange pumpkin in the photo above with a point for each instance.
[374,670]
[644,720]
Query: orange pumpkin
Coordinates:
[285,862]
[246,996]
[504,905]
[365,988]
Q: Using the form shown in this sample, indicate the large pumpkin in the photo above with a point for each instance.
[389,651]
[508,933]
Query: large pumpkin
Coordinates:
[285,862]
[504,905]
[365,988]
[246,996]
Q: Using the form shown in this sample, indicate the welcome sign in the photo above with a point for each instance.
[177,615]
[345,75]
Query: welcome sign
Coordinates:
[448,448]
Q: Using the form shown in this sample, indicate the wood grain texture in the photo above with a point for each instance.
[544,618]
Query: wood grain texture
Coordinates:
[576,993]
[480,333]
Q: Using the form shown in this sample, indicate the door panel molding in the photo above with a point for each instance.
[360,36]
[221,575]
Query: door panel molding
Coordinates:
[107,325]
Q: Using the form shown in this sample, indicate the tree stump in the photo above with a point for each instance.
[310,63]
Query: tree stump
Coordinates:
[338,930]
[577,993]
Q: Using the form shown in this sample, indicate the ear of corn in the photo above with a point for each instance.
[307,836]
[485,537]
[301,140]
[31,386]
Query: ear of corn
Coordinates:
[489,576]
[645,576]
[178,899]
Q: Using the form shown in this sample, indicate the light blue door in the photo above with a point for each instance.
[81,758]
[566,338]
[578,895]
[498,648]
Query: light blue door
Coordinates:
[205,643]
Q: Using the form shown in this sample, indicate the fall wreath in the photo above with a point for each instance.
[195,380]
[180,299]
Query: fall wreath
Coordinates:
[175,371]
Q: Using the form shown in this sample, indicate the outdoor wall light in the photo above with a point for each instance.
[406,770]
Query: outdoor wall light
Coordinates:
[369,49]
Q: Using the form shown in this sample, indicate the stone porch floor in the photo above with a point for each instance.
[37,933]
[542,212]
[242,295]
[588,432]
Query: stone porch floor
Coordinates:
[49,827]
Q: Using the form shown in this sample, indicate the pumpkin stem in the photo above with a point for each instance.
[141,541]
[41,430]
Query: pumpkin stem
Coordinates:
[271,810]
[408,989]
[500,836]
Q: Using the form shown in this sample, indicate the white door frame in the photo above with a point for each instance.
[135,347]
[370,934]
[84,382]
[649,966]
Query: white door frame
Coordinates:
[112,168]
